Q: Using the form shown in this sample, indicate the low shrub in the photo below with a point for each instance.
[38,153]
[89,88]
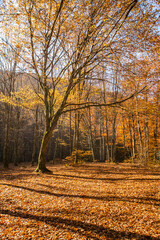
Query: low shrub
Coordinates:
[82,156]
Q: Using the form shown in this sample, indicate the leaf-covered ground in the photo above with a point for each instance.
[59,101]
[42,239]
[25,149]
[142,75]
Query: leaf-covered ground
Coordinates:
[93,201]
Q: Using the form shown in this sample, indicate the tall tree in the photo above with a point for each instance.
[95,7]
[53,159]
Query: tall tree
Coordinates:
[59,40]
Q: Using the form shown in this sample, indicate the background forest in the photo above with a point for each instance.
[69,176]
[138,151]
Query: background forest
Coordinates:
[91,82]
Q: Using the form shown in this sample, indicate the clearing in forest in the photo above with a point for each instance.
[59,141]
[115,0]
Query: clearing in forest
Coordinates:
[91,201]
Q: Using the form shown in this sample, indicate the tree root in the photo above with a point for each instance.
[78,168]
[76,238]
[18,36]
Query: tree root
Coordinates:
[43,170]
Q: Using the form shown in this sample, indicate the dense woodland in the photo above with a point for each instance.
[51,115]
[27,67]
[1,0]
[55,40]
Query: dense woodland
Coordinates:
[79,81]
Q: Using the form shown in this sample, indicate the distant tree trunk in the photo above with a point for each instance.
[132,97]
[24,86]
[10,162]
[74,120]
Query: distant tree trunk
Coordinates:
[113,140]
[16,140]
[124,135]
[114,114]
[91,135]
[55,150]
[35,137]
[146,128]
[139,134]
[57,143]
[76,136]
[106,150]
[77,122]
[132,137]
[102,140]
[7,137]
[156,133]
[156,142]
[107,140]
[70,133]
[61,139]
[6,146]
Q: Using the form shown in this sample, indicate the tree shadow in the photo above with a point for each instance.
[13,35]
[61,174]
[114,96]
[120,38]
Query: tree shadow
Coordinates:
[125,171]
[105,178]
[10,176]
[140,200]
[16,176]
[51,187]
[118,169]
[88,230]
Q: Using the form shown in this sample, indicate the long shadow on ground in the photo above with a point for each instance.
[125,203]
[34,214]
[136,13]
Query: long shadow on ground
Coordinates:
[117,170]
[140,200]
[70,176]
[107,179]
[80,226]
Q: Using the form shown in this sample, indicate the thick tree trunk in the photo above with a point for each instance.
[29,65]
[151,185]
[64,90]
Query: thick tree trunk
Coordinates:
[50,126]
[43,153]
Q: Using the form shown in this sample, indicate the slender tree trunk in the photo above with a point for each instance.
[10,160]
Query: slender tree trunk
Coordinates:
[146,140]
[6,147]
[156,155]
[114,114]
[55,151]
[76,136]
[124,135]
[132,137]
[113,142]
[16,140]
[146,130]
[7,137]
[139,134]
[106,144]
[91,135]
[107,140]
[35,137]
[77,122]
[100,140]
[61,138]
[70,133]
[103,141]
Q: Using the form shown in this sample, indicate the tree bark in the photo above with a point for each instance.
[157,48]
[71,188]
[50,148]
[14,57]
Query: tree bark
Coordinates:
[43,153]
[139,134]
[107,139]
[35,137]
[6,147]
[91,135]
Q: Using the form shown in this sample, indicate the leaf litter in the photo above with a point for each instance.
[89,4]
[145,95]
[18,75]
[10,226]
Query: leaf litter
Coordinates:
[85,202]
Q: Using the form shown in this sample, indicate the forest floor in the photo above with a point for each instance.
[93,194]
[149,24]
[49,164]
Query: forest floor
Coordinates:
[91,201]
